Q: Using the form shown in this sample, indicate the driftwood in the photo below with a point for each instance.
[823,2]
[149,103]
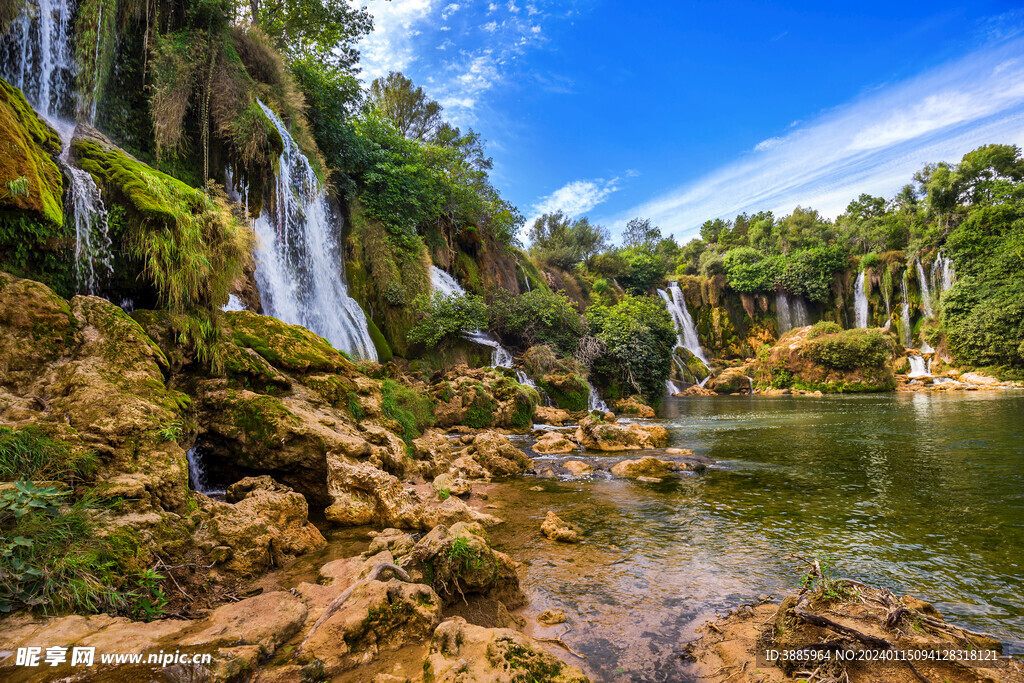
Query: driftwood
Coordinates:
[339,601]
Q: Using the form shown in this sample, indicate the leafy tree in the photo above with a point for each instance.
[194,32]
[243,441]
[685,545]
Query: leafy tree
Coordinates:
[640,234]
[638,337]
[563,242]
[325,31]
[537,317]
[643,271]
[412,112]
[444,319]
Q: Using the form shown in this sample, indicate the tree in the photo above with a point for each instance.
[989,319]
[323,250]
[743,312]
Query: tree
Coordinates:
[414,114]
[563,242]
[324,30]
[640,233]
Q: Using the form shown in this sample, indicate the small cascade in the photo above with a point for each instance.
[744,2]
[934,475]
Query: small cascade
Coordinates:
[686,331]
[233,304]
[860,301]
[926,290]
[197,476]
[799,313]
[300,272]
[783,319]
[918,367]
[942,274]
[446,284]
[594,400]
[905,311]
[526,280]
[36,56]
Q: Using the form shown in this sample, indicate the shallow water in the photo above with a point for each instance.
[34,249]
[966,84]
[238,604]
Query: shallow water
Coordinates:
[923,493]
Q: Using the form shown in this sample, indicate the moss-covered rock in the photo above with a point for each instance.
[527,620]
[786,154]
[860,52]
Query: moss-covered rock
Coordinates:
[286,347]
[569,391]
[482,398]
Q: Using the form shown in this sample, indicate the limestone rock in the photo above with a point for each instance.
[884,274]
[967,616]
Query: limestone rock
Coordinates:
[552,617]
[556,529]
[578,467]
[633,406]
[551,416]
[729,381]
[554,442]
[495,454]
[482,398]
[645,467]
[461,652]
[606,435]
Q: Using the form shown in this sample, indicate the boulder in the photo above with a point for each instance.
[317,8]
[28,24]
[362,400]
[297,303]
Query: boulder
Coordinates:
[578,467]
[633,406]
[568,390]
[556,529]
[554,442]
[729,381]
[645,467]
[494,453]
[482,398]
[603,434]
[552,617]
[461,652]
[551,416]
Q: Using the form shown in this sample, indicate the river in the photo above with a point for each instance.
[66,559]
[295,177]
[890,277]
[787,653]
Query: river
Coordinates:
[923,493]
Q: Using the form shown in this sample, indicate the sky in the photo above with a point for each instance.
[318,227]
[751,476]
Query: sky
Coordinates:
[685,111]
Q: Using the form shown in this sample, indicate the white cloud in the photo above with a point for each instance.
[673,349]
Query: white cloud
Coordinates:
[490,26]
[873,144]
[390,46]
[574,198]
[449,10]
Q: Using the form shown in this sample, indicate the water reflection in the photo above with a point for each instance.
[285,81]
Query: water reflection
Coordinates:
[922,492]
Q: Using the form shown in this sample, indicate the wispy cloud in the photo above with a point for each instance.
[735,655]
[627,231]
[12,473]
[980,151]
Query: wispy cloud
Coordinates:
[413,36]
[873,144]
[575,198]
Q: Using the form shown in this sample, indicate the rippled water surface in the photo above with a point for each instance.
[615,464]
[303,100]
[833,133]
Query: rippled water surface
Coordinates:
[923,493]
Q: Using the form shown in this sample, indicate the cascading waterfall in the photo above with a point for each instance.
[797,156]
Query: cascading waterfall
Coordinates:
[926,290]
[300,273]
[197,473]
[918,367]
[860,301]
[36,56]
[686,331]
[799,312]
[526,280]
[905,311]
[783,319]
[594,400]
[449,286]
[942,273]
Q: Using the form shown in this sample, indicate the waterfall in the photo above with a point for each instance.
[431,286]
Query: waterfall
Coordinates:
[300,272]
[526,279]
[785,322]
[36,55]
[799,312]
[594,400]
[446,284]
[942,273]
[233,304]
[905,311]
[918,368]
[686,332]
[197,473]
[860,301]
[926,291]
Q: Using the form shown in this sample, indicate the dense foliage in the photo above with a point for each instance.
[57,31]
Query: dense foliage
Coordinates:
[537,317]
[445,319]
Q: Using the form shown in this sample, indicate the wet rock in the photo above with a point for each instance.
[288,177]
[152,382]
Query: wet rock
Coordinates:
[551,416]
[556,529]
[482,398]
[679,451]
[552,617]
[495,454]
[729,381]
[267,526]
[461,652]
[649,467]
[634,407]
[606,435]
[696,390]
[578,467]
[554,442]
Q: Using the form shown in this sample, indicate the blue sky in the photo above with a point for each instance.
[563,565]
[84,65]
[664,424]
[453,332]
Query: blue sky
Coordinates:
[686,111]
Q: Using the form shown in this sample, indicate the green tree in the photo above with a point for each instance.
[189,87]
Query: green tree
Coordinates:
[639,337]
[640,234]
[326,31]
[413,113]
[562,242]
[444,319]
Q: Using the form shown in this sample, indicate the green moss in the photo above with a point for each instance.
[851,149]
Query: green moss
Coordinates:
[569,392]
[412,410]
[258,417]
[384,353]
[285,346]
[481,414]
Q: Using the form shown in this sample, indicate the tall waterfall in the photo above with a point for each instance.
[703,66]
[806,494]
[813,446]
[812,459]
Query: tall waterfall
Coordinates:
[36,56]
[300,271]
[926,290]
[449,286]
[686,332]
[860,301]
[790,313]
[905,311]
[942,273]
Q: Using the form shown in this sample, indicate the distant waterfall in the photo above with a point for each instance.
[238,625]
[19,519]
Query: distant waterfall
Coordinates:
[860,301]
[942,273]
[790,313]
[36,56]
[446,284]
[905,311]
[686,332]
[926,290]
[300,271]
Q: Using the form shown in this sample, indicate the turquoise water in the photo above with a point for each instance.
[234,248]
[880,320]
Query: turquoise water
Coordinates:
[923,493]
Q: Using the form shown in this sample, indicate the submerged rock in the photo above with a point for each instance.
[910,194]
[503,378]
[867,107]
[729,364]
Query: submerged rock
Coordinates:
[556,529]
[552,617]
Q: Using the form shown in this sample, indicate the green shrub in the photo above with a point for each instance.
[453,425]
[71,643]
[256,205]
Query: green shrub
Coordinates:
[445,319]
[537,317]
[870,260]
[51,557]
[411,409]
[639,337]
[31,454]
[481,414]
[850,349]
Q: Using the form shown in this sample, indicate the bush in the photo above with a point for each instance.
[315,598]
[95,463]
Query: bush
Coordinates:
[711,263]
[824,327]
[639,337]
[445,319]
[30,454]
[642,273]
[537,317]
[850,349]
[809,273]
[411,409]
[870,260]
[747,270]
[52,557]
